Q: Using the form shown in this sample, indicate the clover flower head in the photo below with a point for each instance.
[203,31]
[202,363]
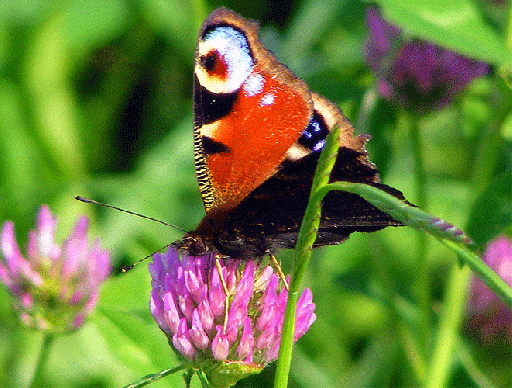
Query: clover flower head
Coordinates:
[55,287]
[488,317]
[188,303]
[417,75]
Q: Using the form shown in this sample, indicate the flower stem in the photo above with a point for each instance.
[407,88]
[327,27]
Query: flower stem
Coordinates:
[39,374]
[422,278]
[285,350]
[447,340]
[307,236]
[157,376]
[418,219]
[448,337]
[467,359]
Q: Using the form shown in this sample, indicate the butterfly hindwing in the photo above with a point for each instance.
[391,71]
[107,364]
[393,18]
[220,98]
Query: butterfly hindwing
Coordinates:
[270,217]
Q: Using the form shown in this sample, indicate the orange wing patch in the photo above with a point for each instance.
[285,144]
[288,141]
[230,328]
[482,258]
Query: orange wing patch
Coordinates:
[257,133]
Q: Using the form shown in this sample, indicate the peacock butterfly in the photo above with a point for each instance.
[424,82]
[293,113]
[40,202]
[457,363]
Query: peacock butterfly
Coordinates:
[258,133]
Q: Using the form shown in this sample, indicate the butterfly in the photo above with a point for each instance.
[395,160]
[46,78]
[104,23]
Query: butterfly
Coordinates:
[258,133]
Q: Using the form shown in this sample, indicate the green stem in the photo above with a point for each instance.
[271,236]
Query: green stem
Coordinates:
[39,374]
[448,337]
[402,325]
[417,218]
[412,349]
[157,376]
[419,170]
[447,340]
[285,350]
[422,278]
[307,236]
[467,359]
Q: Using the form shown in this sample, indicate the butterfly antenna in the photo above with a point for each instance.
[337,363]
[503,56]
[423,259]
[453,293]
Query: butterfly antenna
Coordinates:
[87,200]
[130,267]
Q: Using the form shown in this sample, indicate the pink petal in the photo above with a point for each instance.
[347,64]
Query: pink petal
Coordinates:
[197,333]
[220,346]
[246,346]
[181,341]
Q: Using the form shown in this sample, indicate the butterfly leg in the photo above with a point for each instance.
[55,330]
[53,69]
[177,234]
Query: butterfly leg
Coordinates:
[278,268]
[225,288]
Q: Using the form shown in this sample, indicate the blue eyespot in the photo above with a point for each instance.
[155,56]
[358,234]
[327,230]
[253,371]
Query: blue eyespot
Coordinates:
[315,133]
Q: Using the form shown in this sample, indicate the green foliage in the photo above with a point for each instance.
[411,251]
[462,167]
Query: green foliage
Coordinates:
[455,24]
[96,101]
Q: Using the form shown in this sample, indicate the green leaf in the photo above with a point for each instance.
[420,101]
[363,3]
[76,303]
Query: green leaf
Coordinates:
[452,237]
[227,373]
[313,20]
[355,280]
[22,164]
[21,11]
[94,23]
[55,112]
[401,211]
[129,291]
[454,24]
[127,336]
[178,20]
[127,325]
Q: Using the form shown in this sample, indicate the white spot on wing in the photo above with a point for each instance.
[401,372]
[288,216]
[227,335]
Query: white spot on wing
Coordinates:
[253,85]
[318,146]
[267,99]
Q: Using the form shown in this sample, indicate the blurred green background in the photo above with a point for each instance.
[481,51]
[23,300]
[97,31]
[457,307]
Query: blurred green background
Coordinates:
[96,100]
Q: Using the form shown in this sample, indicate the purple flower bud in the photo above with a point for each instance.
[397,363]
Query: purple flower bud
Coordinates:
[220,345]
[55,287]
[417,75]
[217,296]
[305,316]
[201,332]
[488,317]
[205,313]
[268,304]
[186,304]
[171,311]
[244,290]
[267,337]
[197,333]
[17,270]
[156,306]
[181,341]
[231,276]
[194,284]
[246,346]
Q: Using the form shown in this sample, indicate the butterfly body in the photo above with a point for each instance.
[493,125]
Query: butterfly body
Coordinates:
[258,133]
